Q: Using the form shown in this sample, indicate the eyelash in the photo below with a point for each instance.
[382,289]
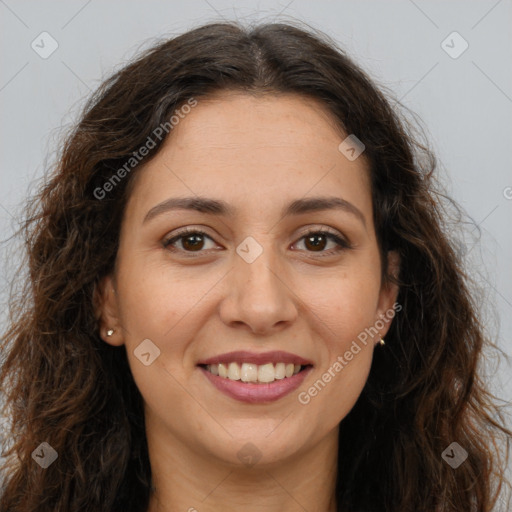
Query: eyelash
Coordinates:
[342,244]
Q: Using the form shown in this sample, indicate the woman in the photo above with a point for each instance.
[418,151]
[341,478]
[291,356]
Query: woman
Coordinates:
[241,296]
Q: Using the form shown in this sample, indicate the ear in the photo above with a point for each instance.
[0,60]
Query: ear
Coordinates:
[107,311]
[386,308]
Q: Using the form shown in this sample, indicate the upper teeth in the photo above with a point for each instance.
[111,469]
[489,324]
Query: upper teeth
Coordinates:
[249,372]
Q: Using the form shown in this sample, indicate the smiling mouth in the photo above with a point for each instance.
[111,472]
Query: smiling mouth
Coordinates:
[254,373]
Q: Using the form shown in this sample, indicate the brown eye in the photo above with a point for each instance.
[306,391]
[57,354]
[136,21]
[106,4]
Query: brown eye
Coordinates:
[191,241]
[316,241]
[194,240]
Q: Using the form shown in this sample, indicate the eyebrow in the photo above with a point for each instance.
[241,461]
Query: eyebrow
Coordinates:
[219,207]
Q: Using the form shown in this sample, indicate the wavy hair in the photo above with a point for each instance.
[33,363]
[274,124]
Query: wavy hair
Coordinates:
[63,385]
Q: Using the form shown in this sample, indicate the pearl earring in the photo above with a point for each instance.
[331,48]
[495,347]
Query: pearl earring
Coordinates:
[381,342]
[110,332]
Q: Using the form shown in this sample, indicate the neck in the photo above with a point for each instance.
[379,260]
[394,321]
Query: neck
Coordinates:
[188,481]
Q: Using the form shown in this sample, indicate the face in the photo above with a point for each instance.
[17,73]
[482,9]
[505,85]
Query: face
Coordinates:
[271,285]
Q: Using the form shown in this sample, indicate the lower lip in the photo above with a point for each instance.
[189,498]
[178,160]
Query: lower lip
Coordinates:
[257,393]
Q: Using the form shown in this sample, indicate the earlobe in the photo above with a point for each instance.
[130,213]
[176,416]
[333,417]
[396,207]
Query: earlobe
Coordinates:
[106,309]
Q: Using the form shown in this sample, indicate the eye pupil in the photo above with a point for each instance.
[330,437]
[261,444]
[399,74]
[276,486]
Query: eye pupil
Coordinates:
[197,243]
[316,245]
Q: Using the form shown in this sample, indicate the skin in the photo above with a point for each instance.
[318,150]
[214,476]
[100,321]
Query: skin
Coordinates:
[257,154]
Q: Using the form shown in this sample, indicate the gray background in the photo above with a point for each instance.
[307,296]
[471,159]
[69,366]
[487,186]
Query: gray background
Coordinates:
[464,103]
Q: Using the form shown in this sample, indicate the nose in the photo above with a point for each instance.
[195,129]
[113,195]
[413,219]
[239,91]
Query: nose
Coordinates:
[259,297]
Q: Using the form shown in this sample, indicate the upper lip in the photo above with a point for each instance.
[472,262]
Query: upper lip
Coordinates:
[243,356]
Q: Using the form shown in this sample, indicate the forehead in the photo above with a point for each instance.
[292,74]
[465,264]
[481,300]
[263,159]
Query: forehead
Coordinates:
[229,121]
[239,146]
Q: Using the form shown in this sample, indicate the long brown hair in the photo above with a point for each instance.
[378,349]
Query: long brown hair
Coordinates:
[63,385]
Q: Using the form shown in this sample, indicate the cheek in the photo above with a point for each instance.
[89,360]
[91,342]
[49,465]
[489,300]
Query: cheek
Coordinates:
[344,306]
[166,307]
[343,317]
[337,384]
[154,317]
[155,300]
